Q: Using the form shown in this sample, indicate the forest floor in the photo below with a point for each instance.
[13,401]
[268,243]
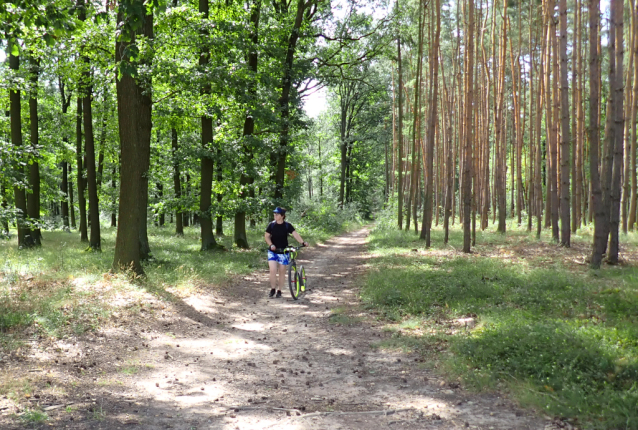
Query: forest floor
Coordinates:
[232,358]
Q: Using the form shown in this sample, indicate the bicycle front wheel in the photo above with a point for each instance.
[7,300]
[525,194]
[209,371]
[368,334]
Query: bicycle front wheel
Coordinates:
[293,281]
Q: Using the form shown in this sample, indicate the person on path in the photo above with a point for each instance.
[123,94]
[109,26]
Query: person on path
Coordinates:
[277,239]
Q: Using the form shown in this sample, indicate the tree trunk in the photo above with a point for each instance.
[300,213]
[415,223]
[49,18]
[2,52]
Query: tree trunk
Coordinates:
[467,152]
[64,189]
[133,165]
[89,147]
[634,110]
[431,127]
[5,205]
[246,179]
[89,144]
[400,134]
[553,172]
[177,183]
[160,196]
[207,165]
[616,137]
[64,186]
[601,219]
[500,140]
[284,99]
[145,129]
[25,236]
[219,227]
[80,172]
[71,205]
[565,222]
[113,185]
[33,198]
[626,176]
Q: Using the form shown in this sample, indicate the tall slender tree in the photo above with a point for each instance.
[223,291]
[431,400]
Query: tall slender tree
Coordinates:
[25,235]
[600,220]
[616,137]
[207,165]
[565,236]
[246,179]
[33,198]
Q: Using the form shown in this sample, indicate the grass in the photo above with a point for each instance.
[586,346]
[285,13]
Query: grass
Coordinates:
[33,416]
[62,289]
[560,337]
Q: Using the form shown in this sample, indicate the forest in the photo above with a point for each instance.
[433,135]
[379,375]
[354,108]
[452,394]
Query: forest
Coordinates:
[447,111]
[141,138]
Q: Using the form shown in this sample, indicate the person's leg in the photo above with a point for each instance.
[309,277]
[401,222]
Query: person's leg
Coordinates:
[282,276]
[272,265]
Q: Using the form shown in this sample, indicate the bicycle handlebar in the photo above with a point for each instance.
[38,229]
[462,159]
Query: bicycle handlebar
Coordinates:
[288,249]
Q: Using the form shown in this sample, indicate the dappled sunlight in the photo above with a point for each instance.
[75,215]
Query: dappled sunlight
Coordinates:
[228,357]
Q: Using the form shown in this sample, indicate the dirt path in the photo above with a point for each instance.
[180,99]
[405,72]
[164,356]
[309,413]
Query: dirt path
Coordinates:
[238,360]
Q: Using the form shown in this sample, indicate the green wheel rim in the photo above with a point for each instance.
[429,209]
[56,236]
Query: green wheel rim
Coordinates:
[293,281]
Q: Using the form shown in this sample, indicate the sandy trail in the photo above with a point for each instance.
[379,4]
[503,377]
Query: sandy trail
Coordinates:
[236,359]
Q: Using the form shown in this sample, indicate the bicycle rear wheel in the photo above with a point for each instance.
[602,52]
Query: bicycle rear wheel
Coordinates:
[302,279]
[293,281]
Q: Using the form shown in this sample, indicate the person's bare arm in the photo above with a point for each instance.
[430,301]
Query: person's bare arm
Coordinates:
[298,238]
[268,236]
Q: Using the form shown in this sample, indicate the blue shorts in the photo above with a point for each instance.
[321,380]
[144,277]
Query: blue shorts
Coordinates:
[283,259]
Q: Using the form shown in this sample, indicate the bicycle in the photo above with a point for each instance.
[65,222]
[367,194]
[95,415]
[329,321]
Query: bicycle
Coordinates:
[296,275]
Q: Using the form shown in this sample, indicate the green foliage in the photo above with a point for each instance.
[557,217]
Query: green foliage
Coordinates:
[324,218]
[563,340]
[33,416]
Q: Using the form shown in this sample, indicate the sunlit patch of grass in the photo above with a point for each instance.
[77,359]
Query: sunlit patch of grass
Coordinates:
[129,370]
[33,416]
[15,388]
[560,337]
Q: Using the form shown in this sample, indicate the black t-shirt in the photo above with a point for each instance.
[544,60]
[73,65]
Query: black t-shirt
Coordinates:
[279,233]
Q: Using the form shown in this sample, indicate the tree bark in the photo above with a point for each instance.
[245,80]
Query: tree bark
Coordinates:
[303,10]
[25,236]
[467,152]
[207,165]
[71,204]
[33,198]
[400,134]
[133,165]
[500,140]
[601,219]
[84,237]
[145,125]
[64,186]
[634,110]
[5,205]
[219,225]
[565,236]
[177,183]
[616,81]
[426,226]
[113,185]
[246,179]
[91,176]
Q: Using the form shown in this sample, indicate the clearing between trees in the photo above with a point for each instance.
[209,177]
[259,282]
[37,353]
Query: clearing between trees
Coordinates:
[234,359]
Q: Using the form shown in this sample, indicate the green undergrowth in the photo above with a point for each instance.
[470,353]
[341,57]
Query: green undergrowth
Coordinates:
[62,289]
[561,338]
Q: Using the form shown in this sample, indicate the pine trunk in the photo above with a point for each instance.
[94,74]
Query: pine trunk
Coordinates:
[565,222]
[616,138]
[601,219]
